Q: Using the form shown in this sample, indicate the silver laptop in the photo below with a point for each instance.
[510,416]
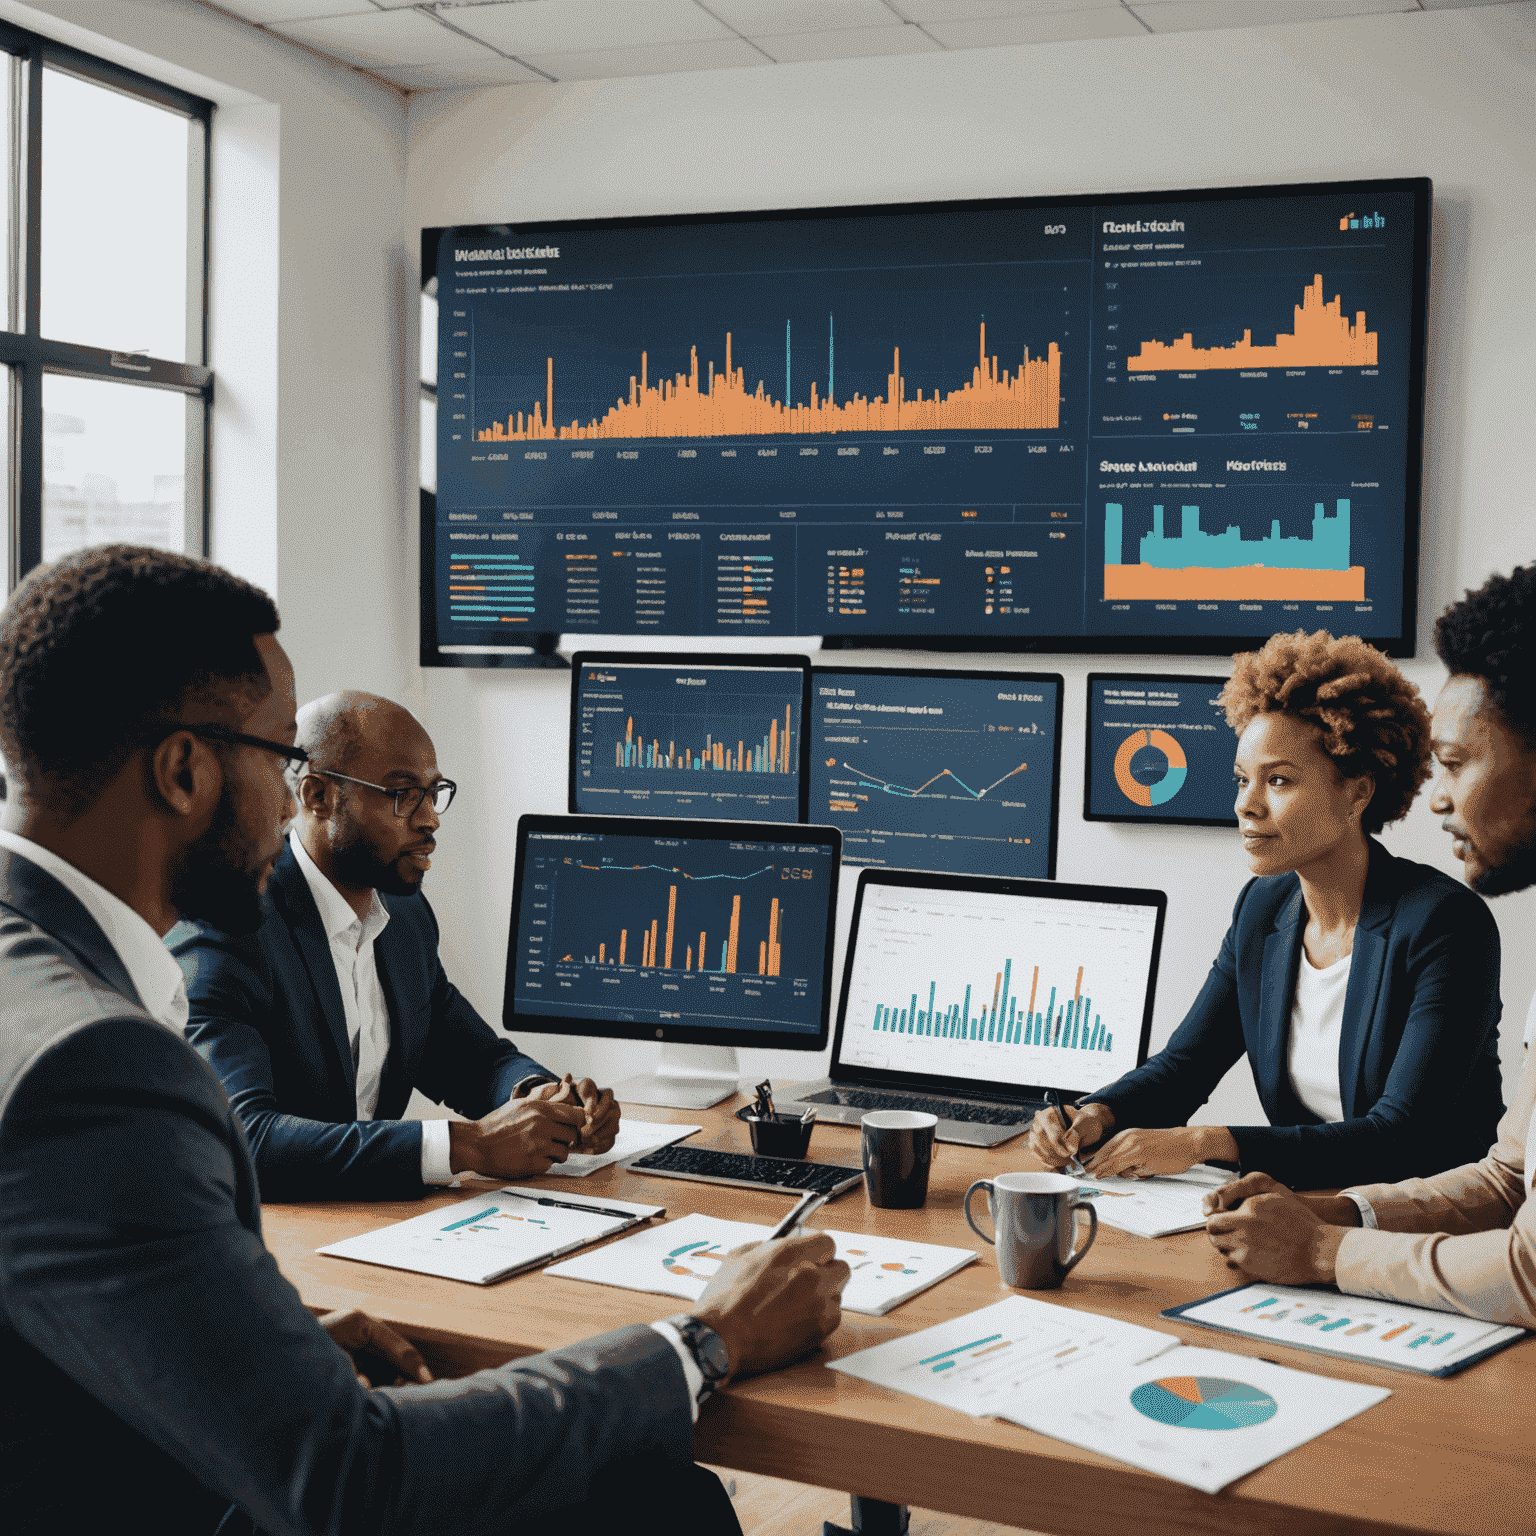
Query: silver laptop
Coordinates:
[971,997]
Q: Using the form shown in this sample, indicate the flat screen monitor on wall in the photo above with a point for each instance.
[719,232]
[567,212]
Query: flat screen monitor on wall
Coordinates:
[1171,422]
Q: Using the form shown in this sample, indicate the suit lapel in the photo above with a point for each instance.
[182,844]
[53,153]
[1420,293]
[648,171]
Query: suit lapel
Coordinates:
[1366,967]
[1282,951]
[40,899]
[302,917]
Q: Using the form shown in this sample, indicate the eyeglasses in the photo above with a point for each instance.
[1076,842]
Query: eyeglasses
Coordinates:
[234,738]
[408,797]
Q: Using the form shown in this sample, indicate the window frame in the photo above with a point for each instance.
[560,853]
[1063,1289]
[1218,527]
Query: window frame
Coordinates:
[27,355]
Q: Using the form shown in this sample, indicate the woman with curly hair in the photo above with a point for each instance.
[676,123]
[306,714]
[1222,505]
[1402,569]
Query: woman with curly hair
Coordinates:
[1364,988]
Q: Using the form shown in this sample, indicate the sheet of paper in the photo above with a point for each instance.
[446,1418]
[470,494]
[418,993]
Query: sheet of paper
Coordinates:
[483,1239]
[1353,1327]
[682,1257]
[1198,1416]
[987,1358]
[1152,1207]
[635,1139]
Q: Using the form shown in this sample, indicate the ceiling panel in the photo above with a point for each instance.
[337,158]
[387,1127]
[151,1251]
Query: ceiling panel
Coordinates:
[849,43]
[386,37]
[569,26]
[653,59]
[1051,27]
[1205,15]
[290,10]
[779,18]
[925,11]
[438,77]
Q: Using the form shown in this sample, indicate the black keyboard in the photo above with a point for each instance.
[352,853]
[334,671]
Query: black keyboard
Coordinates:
[945,1109]
[742,1168]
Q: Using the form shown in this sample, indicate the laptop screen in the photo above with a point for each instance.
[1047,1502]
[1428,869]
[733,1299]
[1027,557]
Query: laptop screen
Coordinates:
[992,984]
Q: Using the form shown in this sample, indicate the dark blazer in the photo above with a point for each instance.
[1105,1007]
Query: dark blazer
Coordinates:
[155,1359]
[267,1017]
[1418,1054]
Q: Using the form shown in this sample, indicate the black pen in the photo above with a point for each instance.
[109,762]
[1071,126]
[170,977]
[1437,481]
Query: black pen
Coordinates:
[803,1208]
[1074,1164]
[593,1210]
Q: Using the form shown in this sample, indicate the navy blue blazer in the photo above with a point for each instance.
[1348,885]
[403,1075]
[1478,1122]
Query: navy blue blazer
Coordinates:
[1418,1053]
[267,1017]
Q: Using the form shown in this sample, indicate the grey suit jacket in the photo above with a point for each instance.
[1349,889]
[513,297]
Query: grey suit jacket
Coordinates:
[153,1357]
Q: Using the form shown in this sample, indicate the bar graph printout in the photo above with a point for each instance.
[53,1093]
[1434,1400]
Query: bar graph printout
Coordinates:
[1352,1327]
[1001,988]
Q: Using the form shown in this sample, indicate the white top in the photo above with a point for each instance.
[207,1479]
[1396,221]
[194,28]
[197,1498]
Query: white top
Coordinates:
[1317,1021]
[151,967]
[363,1003]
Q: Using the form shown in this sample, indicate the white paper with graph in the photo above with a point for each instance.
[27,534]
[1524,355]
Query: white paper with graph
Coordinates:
[682,1257]
[1154,1207]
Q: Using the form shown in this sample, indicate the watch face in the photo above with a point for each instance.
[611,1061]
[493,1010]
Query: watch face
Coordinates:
[714,1360]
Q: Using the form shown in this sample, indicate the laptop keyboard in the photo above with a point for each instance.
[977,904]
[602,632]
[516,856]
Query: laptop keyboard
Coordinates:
[945,1109]
[711,1167]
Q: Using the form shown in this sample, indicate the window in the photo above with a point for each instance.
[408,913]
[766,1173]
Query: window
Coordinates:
[104,266]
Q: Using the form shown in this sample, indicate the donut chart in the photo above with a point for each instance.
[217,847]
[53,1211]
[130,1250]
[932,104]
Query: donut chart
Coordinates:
[1203,1402]
[1150,768]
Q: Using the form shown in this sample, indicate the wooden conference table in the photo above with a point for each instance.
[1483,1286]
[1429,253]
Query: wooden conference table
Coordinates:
[1453,1456]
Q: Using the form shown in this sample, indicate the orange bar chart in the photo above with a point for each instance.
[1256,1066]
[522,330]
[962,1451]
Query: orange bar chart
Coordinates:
[1250,584]
[1323,337]
[769,754]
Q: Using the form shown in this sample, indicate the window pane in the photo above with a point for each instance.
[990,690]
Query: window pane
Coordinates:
[114,262]
[114,465]
[8,315]
[428,442]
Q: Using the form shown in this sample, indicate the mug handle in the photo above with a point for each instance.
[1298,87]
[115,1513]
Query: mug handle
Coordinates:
[985,1184]
[1093,1232]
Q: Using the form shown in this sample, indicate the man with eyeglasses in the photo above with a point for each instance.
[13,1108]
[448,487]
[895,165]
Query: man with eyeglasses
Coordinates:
[322,1022]
[158,1365]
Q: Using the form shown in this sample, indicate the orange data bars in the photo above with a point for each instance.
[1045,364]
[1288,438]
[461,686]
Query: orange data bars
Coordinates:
[718,404]
[730,947]
[671,918]
[1323,338]
[1244,583]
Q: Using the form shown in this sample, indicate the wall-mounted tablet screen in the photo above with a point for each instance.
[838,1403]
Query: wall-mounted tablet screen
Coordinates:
[1159,749]
[688,736]
[1155,422]
[938,770]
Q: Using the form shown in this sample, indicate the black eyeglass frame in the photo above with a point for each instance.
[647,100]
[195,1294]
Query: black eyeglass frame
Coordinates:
[421,791]
[222,733]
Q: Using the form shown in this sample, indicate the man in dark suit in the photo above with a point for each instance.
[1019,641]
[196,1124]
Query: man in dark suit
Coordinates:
[321,1023]
[156,1360]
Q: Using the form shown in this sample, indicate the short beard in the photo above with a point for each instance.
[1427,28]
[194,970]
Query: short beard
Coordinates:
[358,864]
[217,880]
[1517,872]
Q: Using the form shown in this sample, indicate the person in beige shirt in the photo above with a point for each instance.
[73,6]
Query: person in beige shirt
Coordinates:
[1464,1240]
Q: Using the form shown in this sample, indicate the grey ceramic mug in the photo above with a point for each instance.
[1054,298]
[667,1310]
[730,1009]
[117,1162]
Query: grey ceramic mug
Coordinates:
[1034,1216]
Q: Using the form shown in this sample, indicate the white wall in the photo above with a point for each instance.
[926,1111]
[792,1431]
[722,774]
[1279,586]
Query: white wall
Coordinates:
[1448,95]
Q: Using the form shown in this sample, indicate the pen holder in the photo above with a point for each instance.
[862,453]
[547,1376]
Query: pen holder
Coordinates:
[781,1136]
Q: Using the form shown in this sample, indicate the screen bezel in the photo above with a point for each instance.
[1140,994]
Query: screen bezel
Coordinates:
[784,663]
[1402,644]
[986,885]
[982,676]
[650,826]
[1089,814]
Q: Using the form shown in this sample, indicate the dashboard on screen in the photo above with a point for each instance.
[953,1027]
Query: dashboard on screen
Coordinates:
[689,735]
[938,770]
[1161,422]
[1159,749]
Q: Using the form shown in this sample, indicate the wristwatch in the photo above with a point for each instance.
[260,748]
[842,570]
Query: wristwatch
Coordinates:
[707,1348]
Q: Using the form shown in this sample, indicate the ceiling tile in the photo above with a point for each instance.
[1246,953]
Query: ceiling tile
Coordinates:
[447,77]
[780,18]
[385,37]
[1207,15]
[654,59]
[848,43]
[570,26]
[924,11]
[290,10]
[1457,5]
[1054,27]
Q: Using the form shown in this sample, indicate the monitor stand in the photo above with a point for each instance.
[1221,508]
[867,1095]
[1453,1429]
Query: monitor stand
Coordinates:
[686,1077]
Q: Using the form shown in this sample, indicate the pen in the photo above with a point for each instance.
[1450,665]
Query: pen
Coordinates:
[806,1205]
[1074,1164]
[592,1210]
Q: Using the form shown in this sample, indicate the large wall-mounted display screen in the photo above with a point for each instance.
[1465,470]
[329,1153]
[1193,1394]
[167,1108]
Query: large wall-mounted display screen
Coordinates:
[1172,422]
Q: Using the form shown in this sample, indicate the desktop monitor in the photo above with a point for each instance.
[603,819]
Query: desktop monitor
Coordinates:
[940,770]
[713,934]
[1159,750]
[689,735]
[996,986]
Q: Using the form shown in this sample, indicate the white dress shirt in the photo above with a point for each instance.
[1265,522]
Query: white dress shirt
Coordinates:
[151,967]
[362,1000]
[1317,1022]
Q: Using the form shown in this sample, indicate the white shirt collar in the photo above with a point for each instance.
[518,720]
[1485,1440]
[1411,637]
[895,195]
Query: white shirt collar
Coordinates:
[151,967]
[336,914]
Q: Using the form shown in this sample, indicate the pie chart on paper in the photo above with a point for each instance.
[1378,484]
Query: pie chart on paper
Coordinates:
[1203,1402]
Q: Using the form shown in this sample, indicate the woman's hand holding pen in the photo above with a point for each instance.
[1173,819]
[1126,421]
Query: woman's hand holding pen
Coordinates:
[1139,1152]
[1056,1145]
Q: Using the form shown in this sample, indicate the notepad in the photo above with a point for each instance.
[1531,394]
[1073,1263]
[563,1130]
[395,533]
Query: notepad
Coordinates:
[489,1237]
[682,1257]
[635,1139]
[1155,1207]
[1351,1327]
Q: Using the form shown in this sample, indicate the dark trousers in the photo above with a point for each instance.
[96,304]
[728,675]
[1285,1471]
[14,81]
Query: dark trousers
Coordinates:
[640,1496]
